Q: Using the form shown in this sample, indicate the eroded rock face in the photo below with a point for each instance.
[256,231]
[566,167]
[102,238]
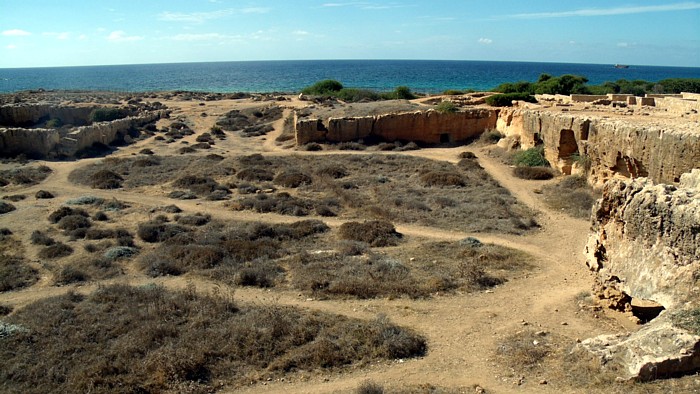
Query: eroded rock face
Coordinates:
[656,351]
[429,127]
[646,245]
[610,147]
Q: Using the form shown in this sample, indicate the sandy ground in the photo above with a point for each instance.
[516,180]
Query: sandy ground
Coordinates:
[463,330]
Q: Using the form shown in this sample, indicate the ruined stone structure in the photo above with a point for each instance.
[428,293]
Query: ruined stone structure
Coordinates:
[602,147]
[42,142]
[429,127]
[609,147]
[646,246]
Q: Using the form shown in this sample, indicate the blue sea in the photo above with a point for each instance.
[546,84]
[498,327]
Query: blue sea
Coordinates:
[425,76]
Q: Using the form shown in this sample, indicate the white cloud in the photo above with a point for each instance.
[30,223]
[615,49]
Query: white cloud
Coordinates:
[82,37]
[15,33]
[625,10]
[301,33]
[485,41]
[120,36]
[11,46]
[623,44]
[200,17]
[365,5]
[59,36]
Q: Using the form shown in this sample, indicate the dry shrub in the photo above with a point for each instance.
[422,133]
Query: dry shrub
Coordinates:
[69,275]
[533,173]
[281,203]
[153,232]
[15,273]
[55,251]
[25,175]
[255,174]
[198,219]
[335,171]
[74,222]
[256,159]
[6,207]
[369,387]
[106,179]
[443,179]
[14,197]
[147,339]
[572,195]
[148,161]
[196,184]
[375,233]
[62,212]
[43,194]
[525,350]
[5,310]
[467,155]
[292,179]
[39,238]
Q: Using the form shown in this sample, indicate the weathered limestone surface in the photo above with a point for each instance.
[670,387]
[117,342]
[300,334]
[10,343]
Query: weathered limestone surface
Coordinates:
[55,142]
[648,237]
[422,126]
[646,245]
[658,350]
[19,115]
[612,147]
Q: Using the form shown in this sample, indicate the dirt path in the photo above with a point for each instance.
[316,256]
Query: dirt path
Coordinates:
[463,330]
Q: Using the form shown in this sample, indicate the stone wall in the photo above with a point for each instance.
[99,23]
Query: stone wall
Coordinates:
[56,142]
[429,127]
[610,147]
[22,115]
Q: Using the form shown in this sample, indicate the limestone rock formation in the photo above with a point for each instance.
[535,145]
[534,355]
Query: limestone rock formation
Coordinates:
[429,127]
[609,147]
[646,245]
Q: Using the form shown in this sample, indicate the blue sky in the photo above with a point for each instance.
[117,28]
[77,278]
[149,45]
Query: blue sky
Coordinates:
[36,33]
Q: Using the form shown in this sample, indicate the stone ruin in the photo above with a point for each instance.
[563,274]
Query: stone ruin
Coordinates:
[645,251]
[24,129]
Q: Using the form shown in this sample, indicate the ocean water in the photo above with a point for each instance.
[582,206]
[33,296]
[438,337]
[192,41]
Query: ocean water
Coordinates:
[426,76]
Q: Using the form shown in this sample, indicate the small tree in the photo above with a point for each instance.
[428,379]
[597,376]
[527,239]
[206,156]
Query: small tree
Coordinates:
[327,86]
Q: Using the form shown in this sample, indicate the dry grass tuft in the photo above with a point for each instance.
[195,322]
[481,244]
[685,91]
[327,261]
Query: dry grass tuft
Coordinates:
[374,233]
[147,339]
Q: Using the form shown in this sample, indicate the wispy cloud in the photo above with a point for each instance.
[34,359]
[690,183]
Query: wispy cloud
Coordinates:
[59,36]
[588,12]
[204,37]
[200,17]
[11,46]
[485,41]
[15,33]
[120,36]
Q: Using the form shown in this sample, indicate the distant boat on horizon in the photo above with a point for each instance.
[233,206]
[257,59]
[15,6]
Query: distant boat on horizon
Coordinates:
[621,66]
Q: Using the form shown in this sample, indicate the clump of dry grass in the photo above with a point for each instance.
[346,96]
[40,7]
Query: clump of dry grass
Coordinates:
[15,273]
[25,175]
[148,339]
[55,251]
[572,195]
[533,173]
[374,233]
[443,179]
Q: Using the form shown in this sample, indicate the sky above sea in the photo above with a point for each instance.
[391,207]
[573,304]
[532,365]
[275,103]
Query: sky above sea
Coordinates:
[42,33]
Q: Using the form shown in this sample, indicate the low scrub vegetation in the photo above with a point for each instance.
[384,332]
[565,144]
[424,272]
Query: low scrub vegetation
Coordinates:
[148,339]
[107,114]
[506,99]
[374,232]
[333,88]
[533,173]
[533,157]
[25,175]
[572,195]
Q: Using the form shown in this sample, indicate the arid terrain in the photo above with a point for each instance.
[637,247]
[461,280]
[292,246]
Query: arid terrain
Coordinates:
[487,278]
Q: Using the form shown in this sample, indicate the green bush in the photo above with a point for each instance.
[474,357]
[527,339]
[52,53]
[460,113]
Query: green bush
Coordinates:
[506,99]
[404,93]
[54,123]
[446,107]
[325,87]
[106,114]
[357,95]
[533,157]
